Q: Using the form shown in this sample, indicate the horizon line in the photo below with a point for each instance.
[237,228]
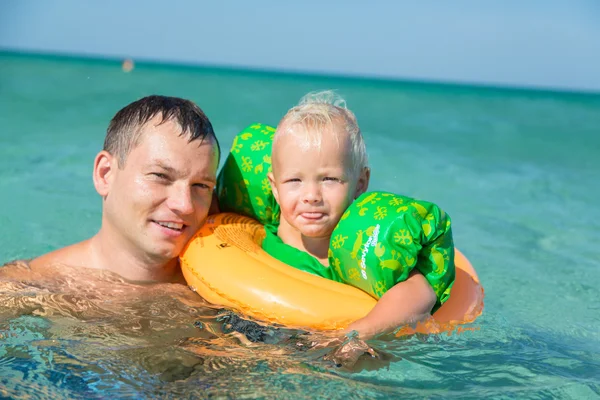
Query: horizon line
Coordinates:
[154,63]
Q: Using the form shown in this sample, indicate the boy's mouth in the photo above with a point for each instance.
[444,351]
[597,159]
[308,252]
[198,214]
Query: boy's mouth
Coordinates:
[313,216]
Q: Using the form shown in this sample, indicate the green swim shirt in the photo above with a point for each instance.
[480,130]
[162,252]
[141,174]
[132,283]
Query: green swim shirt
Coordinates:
[299,259]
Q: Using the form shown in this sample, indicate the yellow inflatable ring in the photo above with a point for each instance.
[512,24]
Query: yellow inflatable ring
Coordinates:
[225,264]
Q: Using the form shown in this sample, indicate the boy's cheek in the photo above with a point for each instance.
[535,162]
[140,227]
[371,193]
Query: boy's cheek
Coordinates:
[286,209]
[286,200]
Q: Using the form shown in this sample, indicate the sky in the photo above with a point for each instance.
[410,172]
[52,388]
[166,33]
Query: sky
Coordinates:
[553,44]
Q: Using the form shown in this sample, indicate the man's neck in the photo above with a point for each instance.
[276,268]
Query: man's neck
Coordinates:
[112,253]
[317,247]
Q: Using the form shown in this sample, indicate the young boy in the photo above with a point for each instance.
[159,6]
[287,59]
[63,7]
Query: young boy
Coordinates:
[319,167]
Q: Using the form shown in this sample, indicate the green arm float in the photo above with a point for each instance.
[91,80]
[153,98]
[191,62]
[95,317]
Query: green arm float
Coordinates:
[242,184]
[382,237]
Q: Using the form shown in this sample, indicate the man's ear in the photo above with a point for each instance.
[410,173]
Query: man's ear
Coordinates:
[363,182]
[104,169]
[273,186]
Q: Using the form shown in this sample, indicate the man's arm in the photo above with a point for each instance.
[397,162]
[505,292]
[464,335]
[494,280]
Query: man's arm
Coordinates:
[407,302]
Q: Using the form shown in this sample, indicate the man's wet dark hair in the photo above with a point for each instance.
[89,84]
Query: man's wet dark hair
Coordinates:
[124,130]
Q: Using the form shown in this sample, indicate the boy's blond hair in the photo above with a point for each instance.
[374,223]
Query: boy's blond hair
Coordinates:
[319,110]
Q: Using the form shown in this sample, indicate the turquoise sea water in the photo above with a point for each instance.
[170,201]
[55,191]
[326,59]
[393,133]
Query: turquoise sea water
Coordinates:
[518,171]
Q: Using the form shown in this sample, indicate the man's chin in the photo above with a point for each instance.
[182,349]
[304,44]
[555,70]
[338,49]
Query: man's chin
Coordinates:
[167,247]
[166,253]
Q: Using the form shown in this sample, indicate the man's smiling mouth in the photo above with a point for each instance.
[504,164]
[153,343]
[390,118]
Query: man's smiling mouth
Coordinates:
[171,225]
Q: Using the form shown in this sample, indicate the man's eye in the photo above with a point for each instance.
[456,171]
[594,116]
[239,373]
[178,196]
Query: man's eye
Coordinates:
[201,185]
[159,175]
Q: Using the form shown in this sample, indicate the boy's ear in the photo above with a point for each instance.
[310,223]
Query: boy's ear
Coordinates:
[363,182]
[273,186]
[104,168]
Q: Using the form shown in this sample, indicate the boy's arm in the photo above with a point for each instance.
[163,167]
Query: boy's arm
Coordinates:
[406,302]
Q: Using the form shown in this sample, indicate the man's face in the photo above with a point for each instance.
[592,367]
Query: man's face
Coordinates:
[162,194]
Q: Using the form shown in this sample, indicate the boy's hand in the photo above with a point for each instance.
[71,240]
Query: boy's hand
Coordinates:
[348,353]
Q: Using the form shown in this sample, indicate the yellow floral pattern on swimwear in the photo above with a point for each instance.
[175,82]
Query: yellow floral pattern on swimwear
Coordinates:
[336,267]
[380,288]
[242,184]
[392,235]
[380,213]
[246,164]
[353,274]
[259,145]
[266,187]
[403,237]
[338,241]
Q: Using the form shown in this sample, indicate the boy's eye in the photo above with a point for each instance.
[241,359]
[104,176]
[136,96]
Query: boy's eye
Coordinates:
[331,178]
[292,180]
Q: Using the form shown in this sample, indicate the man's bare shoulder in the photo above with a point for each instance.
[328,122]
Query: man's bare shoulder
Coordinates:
[14,268]
[72,264]
[76,254]
[73,255]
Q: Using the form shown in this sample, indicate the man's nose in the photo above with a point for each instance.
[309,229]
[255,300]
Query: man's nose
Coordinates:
[180,199]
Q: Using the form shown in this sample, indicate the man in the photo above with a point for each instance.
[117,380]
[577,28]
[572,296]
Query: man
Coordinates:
[156,175]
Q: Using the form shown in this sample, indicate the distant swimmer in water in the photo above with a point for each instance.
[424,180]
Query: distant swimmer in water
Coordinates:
[127,65]
[156,175]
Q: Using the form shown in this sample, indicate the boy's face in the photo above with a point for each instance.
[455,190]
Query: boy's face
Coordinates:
[314,185]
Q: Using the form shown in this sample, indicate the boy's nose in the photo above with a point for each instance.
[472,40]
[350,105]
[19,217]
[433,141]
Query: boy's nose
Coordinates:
[312,194]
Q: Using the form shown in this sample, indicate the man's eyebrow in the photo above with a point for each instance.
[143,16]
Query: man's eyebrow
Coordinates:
[209,179]
[163,165]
